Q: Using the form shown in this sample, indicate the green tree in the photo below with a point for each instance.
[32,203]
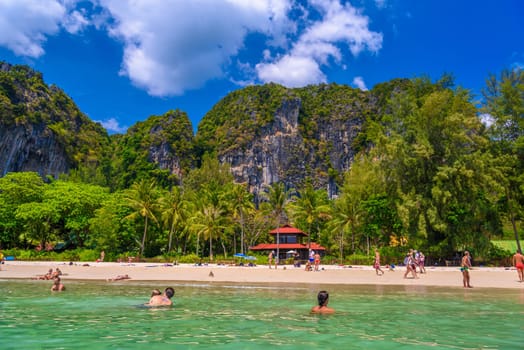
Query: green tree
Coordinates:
[142,198]
[15,190]
[241,202]
[174,212]
[504,109]
[309,206]
[109,229]
[75,204]
[277,199]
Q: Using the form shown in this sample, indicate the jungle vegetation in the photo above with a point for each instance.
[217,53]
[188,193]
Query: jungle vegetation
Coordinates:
[436,171]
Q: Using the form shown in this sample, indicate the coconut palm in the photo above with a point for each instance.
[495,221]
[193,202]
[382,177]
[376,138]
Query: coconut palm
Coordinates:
[173,208]
[142,198]
[277,197]
[309,206]
[241,202]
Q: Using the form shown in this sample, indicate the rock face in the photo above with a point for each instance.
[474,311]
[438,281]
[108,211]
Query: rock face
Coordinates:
[302,139]
[31,148]
[266,134]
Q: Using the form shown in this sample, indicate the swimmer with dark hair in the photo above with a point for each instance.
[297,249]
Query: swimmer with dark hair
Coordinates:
[163,299]
[322,308]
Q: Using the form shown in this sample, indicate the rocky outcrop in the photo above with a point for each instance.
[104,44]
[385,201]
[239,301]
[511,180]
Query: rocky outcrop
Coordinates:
[31,147]
[282,153]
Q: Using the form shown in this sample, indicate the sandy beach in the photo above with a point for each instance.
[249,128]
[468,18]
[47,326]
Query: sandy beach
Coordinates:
[481,277]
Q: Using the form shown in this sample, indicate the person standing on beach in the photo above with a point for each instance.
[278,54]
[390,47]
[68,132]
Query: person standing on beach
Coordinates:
[270,259]
[464,267]
[420,262]
[376,264]
[518,262]
[322,308]
[317,261]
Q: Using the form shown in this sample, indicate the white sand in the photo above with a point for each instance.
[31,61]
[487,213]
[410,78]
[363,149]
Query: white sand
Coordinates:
[481,277]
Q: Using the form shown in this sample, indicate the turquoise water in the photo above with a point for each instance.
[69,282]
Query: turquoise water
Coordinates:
[102,315]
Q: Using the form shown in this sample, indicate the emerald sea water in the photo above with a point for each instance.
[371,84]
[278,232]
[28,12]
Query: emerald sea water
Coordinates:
[103,315]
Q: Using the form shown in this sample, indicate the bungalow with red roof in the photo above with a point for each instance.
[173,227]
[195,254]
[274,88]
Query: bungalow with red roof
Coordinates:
[289,241]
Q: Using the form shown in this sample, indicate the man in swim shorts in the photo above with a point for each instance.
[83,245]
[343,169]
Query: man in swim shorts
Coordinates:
[464,268]
[518,262]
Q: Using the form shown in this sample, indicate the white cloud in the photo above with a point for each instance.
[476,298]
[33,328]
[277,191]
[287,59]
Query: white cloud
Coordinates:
[26,24]
[112,126]
[291,71]
[173,46]
[359,83]
[340,24]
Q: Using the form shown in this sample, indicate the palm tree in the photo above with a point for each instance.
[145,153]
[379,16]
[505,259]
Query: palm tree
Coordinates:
[277,197]
[209,223]
[142,198]
[210,218]
[241,202]
[173,207]
[344,216]
[309,206]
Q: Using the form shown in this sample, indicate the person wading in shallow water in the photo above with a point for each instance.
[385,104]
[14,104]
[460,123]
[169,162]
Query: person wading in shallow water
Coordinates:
[464,267]
[322,308]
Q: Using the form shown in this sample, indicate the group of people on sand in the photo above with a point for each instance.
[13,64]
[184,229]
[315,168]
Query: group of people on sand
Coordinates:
[413,260]
[50,274]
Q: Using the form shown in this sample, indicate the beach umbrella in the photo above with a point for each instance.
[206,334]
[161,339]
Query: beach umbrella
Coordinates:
[240,255]
[249,257]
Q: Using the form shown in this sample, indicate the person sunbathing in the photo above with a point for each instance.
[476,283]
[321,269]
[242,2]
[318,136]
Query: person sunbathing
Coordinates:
[119,277]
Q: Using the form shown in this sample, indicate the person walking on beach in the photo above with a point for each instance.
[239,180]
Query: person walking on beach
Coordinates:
[518,262]
[376,264]
[322,308]
[464,267]
[409,261]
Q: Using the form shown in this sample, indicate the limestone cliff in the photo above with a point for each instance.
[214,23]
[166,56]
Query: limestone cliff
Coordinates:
[270,134]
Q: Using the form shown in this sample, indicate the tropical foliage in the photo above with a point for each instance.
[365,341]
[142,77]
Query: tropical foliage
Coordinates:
[431,170]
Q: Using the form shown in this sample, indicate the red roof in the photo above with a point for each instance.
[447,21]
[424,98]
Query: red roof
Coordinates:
[286,246]
[286,230]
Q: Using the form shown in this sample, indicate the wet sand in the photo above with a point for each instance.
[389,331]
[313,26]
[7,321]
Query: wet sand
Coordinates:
[481,277]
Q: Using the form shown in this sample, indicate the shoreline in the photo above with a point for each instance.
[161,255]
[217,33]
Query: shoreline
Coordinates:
[481,277]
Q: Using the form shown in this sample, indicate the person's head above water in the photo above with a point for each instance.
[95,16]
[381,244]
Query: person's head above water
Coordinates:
[322,297]
[169,292]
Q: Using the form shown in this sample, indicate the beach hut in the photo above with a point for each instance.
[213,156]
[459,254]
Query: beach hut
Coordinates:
[290,239]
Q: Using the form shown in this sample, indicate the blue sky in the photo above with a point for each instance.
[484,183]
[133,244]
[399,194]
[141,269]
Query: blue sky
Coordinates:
[124,60]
